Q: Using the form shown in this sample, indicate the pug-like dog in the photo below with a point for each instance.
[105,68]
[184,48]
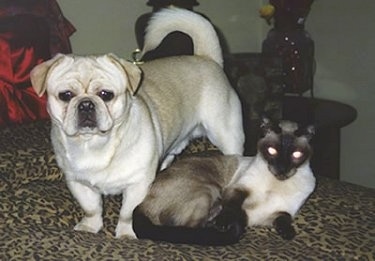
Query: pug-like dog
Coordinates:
[114,124]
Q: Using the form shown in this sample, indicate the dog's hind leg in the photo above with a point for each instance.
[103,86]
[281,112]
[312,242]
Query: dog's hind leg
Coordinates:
[231,142]
[221,116]
[167,161]
[170,156]
[226,132]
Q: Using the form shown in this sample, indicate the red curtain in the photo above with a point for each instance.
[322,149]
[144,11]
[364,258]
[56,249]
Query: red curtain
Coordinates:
[30,33]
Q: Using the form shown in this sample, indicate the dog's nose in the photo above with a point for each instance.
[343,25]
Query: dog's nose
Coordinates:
[86,106]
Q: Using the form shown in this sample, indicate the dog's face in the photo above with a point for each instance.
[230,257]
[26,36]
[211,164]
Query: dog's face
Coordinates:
[86,95]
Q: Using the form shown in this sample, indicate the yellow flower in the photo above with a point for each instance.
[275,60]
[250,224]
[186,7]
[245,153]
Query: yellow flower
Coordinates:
[267,11]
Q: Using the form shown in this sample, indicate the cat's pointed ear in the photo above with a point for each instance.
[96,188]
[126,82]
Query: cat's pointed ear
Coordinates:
[310,132]
[306,132]
[266,125]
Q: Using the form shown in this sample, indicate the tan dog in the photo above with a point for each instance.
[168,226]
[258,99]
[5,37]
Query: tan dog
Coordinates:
[114,124]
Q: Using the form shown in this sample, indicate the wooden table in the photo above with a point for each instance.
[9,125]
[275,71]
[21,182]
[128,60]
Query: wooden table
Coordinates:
[328,117]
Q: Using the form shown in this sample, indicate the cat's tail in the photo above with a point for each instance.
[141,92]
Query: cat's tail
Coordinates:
[208,236]
[205,40]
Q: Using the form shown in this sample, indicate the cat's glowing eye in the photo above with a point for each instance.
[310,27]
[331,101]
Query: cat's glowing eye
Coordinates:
[272,151]
[297,154]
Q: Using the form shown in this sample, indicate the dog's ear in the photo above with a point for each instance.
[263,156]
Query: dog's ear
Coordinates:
[132,72]
[38,74]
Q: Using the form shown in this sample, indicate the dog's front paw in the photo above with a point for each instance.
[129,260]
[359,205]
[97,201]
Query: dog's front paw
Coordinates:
[90,224]
[125,229]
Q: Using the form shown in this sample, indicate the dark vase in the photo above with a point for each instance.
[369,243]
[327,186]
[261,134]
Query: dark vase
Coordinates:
[296,50]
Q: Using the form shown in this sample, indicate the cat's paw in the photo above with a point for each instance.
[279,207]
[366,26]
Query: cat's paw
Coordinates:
[224,221]
[287,232]
[283,226]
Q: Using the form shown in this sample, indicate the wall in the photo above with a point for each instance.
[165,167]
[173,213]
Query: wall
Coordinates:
[341,30]
[108,26]
[345,53]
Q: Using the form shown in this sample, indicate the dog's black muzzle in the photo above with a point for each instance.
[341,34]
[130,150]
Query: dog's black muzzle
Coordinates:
[86,114]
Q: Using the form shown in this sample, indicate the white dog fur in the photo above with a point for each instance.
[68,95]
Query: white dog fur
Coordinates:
[114,124]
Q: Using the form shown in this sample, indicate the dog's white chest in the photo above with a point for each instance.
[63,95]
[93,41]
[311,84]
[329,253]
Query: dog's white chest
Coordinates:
[108,167]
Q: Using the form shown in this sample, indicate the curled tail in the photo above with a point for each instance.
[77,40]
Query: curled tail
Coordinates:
[168,20]
[209,236]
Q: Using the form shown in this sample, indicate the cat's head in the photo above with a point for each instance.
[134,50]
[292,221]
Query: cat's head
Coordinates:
[285,147]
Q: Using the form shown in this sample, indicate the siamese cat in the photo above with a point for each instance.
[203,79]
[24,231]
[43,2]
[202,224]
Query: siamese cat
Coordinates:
[211,200]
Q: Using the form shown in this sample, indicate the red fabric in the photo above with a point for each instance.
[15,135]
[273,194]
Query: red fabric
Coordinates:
[30,33]
[59,27]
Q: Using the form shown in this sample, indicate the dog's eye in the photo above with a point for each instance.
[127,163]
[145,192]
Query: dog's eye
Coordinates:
[106,95]
[66,96]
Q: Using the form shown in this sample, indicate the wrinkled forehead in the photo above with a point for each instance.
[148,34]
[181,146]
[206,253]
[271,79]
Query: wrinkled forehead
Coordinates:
[86,73]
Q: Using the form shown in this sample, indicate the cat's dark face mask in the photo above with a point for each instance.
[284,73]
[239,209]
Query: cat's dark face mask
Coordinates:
[285,148]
